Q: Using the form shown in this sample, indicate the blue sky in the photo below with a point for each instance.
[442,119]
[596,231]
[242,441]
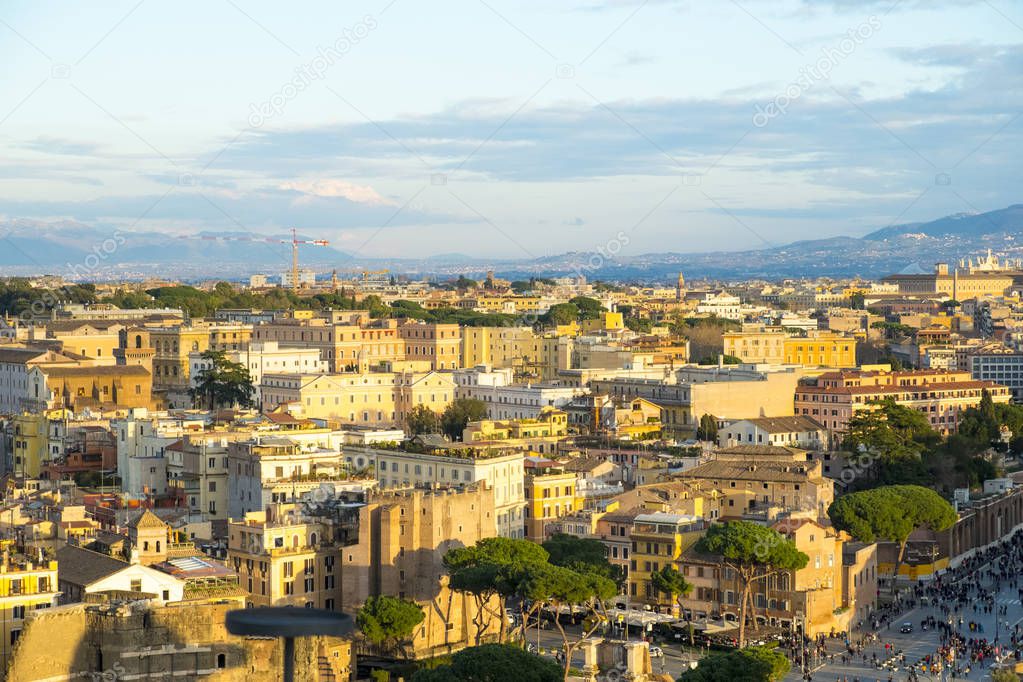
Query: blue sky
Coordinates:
[499,128]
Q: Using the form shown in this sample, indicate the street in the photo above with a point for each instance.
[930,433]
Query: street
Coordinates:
[674,661]
[973,587]
[997,629]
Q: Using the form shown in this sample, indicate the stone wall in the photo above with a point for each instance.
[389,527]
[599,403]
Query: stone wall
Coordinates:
[141,641]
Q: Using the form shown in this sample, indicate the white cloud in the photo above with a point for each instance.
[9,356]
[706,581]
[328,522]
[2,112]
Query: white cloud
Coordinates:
[360,194]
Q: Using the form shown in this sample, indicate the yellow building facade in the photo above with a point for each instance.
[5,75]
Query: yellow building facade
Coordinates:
[756,344]
[282,560]
[30,443]
[821,349]
[541,434]
[773,345]
[24,587]
[500,347]
[549,496]
[371,398]
[658,540]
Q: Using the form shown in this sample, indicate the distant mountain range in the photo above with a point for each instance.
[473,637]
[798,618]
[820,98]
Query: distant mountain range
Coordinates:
[83,251]
[964,225]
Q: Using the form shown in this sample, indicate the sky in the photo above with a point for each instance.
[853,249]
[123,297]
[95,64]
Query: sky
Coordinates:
[499,128]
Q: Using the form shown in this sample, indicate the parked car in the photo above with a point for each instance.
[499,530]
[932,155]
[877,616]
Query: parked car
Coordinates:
[656,652]
[906,628]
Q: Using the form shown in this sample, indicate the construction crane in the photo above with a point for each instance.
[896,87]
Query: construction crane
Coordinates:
[367,273]
[294,241]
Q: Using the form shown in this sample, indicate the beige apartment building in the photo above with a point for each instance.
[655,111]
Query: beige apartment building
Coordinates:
[172,346]
[197,471]
[440,345]
[518,348]
[774,345]
[541,434]
[834,397]
[15,364]
[350,343]
[763,480]
[80,387]
[503,472]
[987,277]
[827,595]
[284,559]
[379,399]
[96,340]
[756,344]
[728,393]
[273,468]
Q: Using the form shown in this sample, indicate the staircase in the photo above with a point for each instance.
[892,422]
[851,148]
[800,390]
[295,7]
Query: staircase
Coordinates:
[325,673]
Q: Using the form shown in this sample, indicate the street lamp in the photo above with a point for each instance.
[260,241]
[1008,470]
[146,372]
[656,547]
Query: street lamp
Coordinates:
[801,641]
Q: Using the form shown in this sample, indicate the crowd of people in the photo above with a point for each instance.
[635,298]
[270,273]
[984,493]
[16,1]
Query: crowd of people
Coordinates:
[959,599]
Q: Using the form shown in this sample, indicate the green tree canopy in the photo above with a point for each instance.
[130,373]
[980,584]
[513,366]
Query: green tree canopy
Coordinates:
[894,437]
[581,554]
[388,620]
[562,589]
[560,313]
[725,360]
[671,582]
[1004,675]
[493,663]
[589,308]
[459,413]
[222,383]
[421,419]
[891,513]
[754,664]
[493,567]
[755,553]
[983,423]
[708,428]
